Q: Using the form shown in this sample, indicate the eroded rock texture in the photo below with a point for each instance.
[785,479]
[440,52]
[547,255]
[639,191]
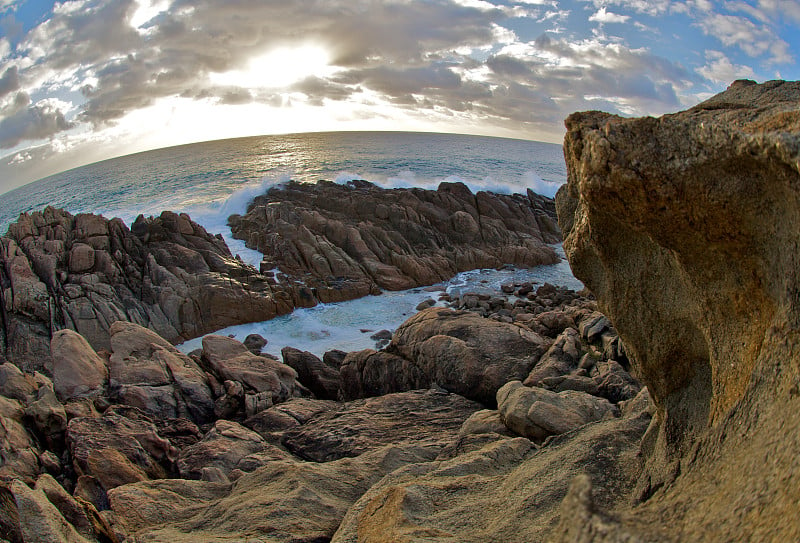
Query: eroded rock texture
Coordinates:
[349,240]
[685,227]
[85,272]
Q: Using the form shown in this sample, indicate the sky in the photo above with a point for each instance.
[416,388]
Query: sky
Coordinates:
[86,80]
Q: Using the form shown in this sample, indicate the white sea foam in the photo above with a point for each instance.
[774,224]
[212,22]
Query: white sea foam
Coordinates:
[339,326]
[213,216]
[538,185]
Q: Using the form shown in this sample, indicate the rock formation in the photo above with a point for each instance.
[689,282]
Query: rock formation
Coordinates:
[685,227]
[84,272]
[349,240]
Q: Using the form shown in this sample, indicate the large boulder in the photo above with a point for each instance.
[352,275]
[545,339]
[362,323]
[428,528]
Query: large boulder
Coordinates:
[121,447]
[457,350]
[685,228]
[77,369]
[227,446]
[147,372]
[231,360]
[537,413]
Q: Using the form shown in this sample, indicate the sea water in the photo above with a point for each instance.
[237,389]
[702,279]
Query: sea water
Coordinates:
[212,180]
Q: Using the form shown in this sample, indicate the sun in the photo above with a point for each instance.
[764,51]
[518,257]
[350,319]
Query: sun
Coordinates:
[279,68]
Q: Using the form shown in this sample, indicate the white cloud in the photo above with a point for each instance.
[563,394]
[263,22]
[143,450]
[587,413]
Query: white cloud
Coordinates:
[754,40]
[603,16]
[720,69]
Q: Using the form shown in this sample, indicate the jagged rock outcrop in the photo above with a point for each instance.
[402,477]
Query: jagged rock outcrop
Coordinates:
[85,272]
[685,227]
[346,241]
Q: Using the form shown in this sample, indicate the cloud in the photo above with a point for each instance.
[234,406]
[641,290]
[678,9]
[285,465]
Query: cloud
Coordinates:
[33,123]
[720,69]
[754,40]
[9,81]
[603,16]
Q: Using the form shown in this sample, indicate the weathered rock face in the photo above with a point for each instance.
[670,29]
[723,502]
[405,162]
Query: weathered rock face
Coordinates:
[346,241]
[85,272]
[284,501]
[685,227]
[457,350]
[507,490]
[419,417]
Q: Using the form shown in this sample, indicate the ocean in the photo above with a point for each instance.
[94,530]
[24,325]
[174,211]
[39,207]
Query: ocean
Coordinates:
[212,180]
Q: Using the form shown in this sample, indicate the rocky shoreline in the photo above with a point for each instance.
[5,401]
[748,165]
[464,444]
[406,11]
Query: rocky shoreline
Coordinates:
[140,442]
[515,416]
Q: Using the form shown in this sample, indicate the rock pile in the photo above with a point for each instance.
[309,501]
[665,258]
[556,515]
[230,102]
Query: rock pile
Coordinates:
[346,241]
[85,272]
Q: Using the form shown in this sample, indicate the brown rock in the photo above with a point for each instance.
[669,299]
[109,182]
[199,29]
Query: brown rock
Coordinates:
[28,515]
[284,501]
[419,417]
[227,446]
[166,273]
[467,354]
[154,376]
[684,227]
[17,447]
[320,378]
[77,370]
[231,360]
[344,240]
[120,447]
[81,258]
[537,413]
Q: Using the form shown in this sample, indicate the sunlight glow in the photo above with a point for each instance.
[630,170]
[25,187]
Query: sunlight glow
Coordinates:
[279,68]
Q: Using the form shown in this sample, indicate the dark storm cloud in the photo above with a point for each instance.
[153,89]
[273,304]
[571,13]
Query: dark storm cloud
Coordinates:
[9,81]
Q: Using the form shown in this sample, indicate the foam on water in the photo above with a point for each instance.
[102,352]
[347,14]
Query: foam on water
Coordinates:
[339,326]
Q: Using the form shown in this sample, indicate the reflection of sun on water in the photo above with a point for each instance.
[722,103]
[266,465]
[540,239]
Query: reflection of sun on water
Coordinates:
[279,68]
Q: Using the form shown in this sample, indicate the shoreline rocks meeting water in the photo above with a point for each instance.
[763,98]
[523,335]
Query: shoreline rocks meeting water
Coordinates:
[515,416]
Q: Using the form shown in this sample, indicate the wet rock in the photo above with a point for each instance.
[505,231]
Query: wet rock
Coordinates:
[320,378]
[165,273]
[255,343]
